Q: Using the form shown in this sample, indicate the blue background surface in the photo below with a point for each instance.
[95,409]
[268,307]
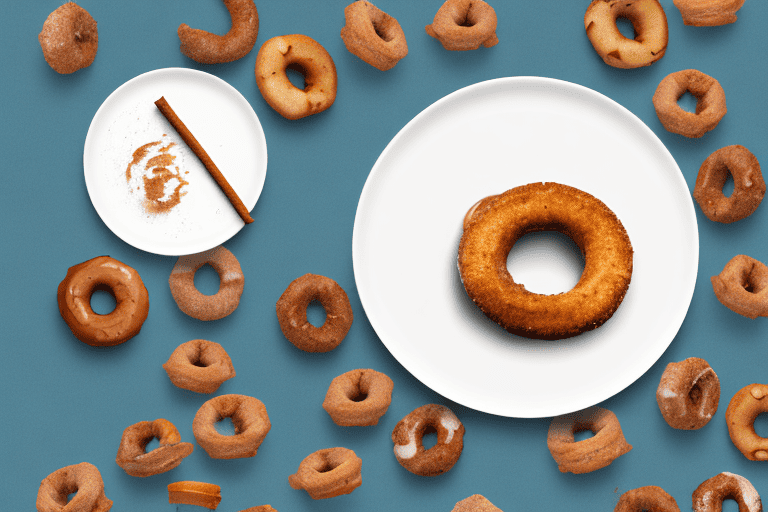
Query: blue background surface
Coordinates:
[64,402]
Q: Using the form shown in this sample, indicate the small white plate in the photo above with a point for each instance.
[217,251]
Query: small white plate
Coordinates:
[224,123]
[485,139]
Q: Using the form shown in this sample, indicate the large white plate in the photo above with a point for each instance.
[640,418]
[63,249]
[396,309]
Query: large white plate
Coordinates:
[485,139]
[224,123]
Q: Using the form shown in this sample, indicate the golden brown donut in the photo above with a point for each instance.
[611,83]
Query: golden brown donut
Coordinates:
[475,503]
[464,25]
[589,454]
[207,307]
[292,313]
[740,416]
[650,27]
[305,55]
[710,103]
[249,417]
[748,190]
[358,397]
[742,286]
[200,366]
[328,473]
[708,13]
[709,496]
[494,229]
[208,48]
[650,498]
[373,35]
[688,394]
[122,282]
[136,461]
[83,479]
[200,494]
[69,39]
[408,437]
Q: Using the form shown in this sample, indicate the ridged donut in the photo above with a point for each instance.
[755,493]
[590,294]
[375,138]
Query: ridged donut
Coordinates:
[208,48]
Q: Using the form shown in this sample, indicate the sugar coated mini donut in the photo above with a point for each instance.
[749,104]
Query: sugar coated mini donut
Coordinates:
[464,25]
[745,406]
[373,35]
[589,454]
[650,27]
[498,223]
[748,190]
[292,313]
[302,54]
[409,433]
[208,48]
[688,394]
[709,496]
[742,286]
[708,13]
[69,39]
[358,397]
[475,503]
[136,461]
[83,479]
[650,497]
[200,494]
[328,473]
[122,282]
[200,366]
[248,415]
[710,103]
[207,307]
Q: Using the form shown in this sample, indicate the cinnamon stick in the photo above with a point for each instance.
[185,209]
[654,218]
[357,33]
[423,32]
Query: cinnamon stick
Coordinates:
[195,146]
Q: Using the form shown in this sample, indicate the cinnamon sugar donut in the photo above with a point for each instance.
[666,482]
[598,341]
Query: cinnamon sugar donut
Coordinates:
[328,473]
[408,438]
[69,39]
[710,103]
[688,394]
[208,48]
[358,398]
[83,479]
[200,494]
[650,497]
[709,496]
[136,461]
[200,366]
[373,35]
[249,417]
[742,286]
[708,13]
[464,25]
[475,503]
[745,406]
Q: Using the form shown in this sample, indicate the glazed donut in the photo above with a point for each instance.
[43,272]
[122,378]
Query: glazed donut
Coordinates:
[358,398]
[408,437]
[305,55]
[688,394]
[649,23]
[69,39]
[709,496]
[208,48]
[84,479]
[249,417]
[328,473]
[475,503]
[207,307]
[650,497]
[710,103]
[740,416]
[590,454]
[136,461]
[122,282]
[494,229]
[742,286]
[464,25]
[708,13]
[292,313]
[200,494]
[200,366]
[373,35]
[749,186]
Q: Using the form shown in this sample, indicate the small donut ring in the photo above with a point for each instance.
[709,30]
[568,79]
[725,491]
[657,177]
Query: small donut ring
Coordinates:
[207,307]
[328,473]
[69,39]
[122,282]
[200,494]
[748,190]
[708,13]
[688,394]
[649,23]
[710,103]
[208,48]
[358,398]
[590,454]
[709,496]
[742,286]
[462,25]
[740,416]
[408,437]
[305,55]
[249,417]
[373,35]
[84,479]
[650,497]
[136,461]
[200,366]
[292,313]
[475,503]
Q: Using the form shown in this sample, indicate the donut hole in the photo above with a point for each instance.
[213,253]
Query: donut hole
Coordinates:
[465,19]
[383,30]
[626,27]
[297,75]
[729,185]
[201,358]
[730,505]
[103,300]
[688,102]
[761,425]
[326,464]
[316,313]
[153,443]
[429,438]
[207,280]
[71,495]
[226,427]
[546,262]
[582,434]
[696,393]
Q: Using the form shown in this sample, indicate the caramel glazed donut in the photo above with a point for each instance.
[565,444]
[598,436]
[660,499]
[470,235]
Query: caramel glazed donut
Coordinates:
[496,223]
[745,406]
[83,479]
[709,496]
[688,394]
[208,48]
[408,437]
